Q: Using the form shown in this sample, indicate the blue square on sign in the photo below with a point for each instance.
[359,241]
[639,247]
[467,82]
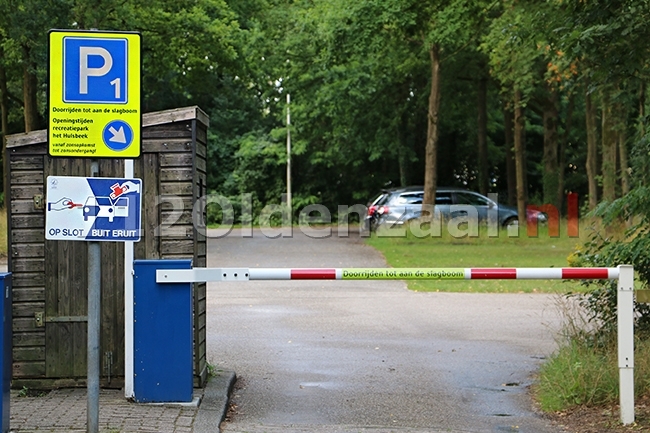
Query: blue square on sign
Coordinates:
[95,70]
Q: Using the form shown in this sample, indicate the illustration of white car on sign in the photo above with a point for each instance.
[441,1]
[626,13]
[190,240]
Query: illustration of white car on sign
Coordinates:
[105,207]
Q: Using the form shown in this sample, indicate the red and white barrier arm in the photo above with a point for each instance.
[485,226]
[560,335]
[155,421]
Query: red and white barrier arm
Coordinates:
[625,296]
[246,274]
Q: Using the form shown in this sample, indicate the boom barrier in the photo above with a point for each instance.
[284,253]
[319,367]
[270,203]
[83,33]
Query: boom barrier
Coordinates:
[623,273]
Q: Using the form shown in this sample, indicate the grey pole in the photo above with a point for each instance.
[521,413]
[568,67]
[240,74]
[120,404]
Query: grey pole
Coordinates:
[94,303]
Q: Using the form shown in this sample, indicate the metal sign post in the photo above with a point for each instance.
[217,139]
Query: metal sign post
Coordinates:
[94,313]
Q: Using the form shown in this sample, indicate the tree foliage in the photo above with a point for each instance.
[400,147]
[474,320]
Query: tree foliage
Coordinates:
[360,79]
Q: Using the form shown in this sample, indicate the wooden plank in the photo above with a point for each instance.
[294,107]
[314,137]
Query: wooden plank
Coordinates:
[149,245]
[200,293]
[29,149]
[34,137]
[176,188]
[25,162]
[169,145]
[27,309]
[200,150]
[200,165]
[199,307]
[25,206]
[26,177]
[176,174]
[28,221]
[201,139]
[28,369]
[174,115]
[27,265]
[200,355]
[174,218]
[176,159]
[200,336]
[34,353]
[177,203]
[177,247]
[20,235]
[28,294]
[28,279]
[112,338]
[200,249]
[24,324]
[26,192]
[176,232]
[28,339]
[27,251]
[168,131]
[201,321]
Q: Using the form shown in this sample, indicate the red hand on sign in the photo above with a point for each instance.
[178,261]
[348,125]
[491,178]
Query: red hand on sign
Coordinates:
[118,190]
[70,204]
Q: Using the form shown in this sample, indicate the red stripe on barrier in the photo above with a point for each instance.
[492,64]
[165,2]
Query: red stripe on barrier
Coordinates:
[313,274]
[585,273]
[494,274]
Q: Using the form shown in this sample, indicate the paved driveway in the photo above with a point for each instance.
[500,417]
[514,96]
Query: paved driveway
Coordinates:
[361,356]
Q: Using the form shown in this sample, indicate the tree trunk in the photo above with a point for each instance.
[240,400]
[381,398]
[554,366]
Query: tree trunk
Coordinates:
[511,172]
[550,178]
[609,145]
[592,151]
[431,153]
[403,153]
[562,151]
[30,87]
[643,168]
[624,164]
[520,159]
[483,166]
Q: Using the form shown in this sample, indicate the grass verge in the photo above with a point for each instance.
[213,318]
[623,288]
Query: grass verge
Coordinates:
[447,251]
[579,384]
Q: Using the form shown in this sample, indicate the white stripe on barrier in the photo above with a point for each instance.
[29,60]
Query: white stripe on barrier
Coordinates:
[270,274]
[539,273]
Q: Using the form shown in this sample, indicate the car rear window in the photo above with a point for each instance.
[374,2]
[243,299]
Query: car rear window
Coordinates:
[472,199]
[410,198]
[443,198]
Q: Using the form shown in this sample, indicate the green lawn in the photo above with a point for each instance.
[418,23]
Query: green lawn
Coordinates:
[503,251]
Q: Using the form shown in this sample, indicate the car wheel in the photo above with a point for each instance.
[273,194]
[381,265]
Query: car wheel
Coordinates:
[511,222]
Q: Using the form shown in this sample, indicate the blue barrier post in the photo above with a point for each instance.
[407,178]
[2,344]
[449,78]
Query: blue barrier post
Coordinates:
[162,328]
[6,344]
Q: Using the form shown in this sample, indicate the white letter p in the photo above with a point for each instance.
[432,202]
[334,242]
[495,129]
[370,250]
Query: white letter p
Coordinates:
[85,71]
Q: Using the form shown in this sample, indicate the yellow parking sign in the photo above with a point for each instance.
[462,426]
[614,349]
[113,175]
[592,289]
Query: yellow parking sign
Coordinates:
[94,94]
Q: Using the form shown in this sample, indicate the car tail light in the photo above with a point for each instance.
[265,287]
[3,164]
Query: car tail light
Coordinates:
[371,210]
[382,210]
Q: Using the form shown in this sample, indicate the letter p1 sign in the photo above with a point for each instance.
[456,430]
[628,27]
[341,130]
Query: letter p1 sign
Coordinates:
[95,70]
[94,94]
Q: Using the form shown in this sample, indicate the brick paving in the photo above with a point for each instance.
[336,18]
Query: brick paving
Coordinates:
[64,410]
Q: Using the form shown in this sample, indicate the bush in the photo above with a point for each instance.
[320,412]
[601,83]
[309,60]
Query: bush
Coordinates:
[609,248]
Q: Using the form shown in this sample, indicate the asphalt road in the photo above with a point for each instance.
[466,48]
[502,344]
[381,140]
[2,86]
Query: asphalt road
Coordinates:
[362,356]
